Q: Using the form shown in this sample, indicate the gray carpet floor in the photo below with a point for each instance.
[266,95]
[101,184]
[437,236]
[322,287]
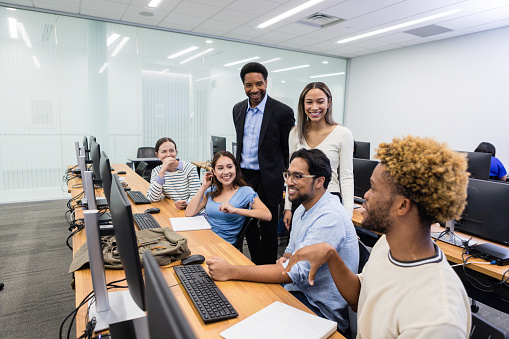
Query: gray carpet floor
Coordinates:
[34,261]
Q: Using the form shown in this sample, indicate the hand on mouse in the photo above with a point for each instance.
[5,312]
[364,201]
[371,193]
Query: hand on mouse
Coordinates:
[181,204]
[218,268]
[227,208]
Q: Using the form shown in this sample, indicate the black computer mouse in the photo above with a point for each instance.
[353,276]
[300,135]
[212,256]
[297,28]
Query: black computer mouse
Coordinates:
[152,210]
[121,172]
[194,259]
[127,189]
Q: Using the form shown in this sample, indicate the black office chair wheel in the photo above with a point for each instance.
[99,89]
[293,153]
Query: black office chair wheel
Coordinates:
[474,308]
[1,286]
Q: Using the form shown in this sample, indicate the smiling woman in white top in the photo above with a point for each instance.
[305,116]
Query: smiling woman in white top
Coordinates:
[317,129]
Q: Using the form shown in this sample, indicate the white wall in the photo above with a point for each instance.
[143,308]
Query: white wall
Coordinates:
[456,90]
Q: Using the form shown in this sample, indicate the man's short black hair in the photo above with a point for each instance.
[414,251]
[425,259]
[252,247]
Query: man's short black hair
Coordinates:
[318,163]
[253,67]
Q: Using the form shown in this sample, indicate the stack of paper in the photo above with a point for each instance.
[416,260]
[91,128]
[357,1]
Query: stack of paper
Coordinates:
[190,223]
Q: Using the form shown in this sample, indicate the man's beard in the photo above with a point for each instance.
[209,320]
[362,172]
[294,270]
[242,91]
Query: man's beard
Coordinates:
[378,219]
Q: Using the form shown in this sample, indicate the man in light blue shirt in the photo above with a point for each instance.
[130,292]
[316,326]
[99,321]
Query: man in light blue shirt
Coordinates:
[320,218]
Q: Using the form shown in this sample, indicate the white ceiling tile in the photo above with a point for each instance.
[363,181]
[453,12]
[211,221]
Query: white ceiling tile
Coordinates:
[274,38]
[243,32]
[414,7]
[132,14]
[302,41]
[70,7]
[103,6]
[214,27]
[376,18]
[323,34]
[371,44]
[349,9]
[378,3]
[235,17]
[474,6]
[258,7]
[298,28]
[181,21]
[20,2]
[397,38]
[197,9]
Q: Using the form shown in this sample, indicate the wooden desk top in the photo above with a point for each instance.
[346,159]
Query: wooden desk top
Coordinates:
[453,253]
[246,297]
[202,164]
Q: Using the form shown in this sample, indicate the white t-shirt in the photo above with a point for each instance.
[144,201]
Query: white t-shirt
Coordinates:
[418,299]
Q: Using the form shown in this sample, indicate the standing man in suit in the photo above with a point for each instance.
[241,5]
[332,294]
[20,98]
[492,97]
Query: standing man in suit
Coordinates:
[263,125]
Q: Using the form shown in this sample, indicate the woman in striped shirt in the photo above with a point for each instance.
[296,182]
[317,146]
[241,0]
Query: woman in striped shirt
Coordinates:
[174,178]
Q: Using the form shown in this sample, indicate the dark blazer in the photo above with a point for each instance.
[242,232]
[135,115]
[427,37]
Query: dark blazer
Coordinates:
[278,120]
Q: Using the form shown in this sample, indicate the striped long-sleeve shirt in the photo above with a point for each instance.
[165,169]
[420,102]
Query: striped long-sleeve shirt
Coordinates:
[179,185]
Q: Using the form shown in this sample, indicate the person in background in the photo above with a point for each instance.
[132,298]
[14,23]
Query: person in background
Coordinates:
[319,217]
[407,288]
[174,178]
[262,125]
[316,129]
[227,198]
[497,170]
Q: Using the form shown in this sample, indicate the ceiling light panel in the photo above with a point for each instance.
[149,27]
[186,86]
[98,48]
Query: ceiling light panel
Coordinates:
[289,13]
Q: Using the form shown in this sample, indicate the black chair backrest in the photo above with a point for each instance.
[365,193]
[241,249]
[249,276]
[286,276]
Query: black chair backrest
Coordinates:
[146,152]
[483,329]
[140,169]
[363,255]
[239,244]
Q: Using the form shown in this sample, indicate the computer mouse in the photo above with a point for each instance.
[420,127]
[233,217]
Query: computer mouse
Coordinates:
[127,189]
[152,210]
[194,259]
[121,172]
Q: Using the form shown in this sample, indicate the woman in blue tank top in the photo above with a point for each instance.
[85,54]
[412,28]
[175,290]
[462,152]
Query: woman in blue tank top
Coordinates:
[227,198]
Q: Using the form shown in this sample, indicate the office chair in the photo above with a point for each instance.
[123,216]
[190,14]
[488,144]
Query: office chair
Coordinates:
[239,244]
[146,152]
[352,316]
[140,169]
[483,329]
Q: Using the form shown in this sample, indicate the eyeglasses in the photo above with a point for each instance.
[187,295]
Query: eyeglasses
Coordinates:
[296,177]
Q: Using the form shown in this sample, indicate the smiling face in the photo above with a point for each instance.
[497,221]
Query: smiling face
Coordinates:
[303,190]
[224,171]
[316,104]
[167,149]
[379,201]
[255,87]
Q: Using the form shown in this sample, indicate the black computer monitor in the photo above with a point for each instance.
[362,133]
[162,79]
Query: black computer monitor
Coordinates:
[87,149]
[487,212]
[362,170]
[123,224]
[91,140]
[217,144]
[478,165]
[104,169]
[361,149]
[95,154]
[165,318]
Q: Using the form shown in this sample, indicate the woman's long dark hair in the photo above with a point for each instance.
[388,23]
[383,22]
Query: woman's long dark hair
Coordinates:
[237,182]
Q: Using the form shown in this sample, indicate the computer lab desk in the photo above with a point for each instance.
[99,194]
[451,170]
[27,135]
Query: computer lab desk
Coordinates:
[246,297]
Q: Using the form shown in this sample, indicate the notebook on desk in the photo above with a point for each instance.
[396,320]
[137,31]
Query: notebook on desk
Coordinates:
[190,223]
[279,320]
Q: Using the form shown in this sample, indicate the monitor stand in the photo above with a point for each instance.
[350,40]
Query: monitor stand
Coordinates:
[449,236]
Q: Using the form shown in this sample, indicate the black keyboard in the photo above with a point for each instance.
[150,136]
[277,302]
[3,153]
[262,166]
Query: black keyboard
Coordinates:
[138,198]
[145,220]
[206,296]
[358,200]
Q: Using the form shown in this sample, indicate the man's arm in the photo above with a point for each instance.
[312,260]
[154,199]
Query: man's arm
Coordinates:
[221,270]
[347,282]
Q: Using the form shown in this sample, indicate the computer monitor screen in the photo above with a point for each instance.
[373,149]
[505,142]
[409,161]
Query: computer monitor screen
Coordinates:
[104,168]
[486,214]
[218,144]
[361,150]
[95,154]
[87,149]
[165,318]
[478,165]
[362,170]
[123,225]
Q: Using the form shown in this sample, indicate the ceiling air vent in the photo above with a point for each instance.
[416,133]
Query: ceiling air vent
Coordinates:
[429,30]
[320,20]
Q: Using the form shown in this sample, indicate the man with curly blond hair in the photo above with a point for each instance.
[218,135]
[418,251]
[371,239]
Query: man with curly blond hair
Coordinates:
[407,289]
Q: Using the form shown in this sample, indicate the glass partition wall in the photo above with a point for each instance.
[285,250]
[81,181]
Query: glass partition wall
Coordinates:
[65,77]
